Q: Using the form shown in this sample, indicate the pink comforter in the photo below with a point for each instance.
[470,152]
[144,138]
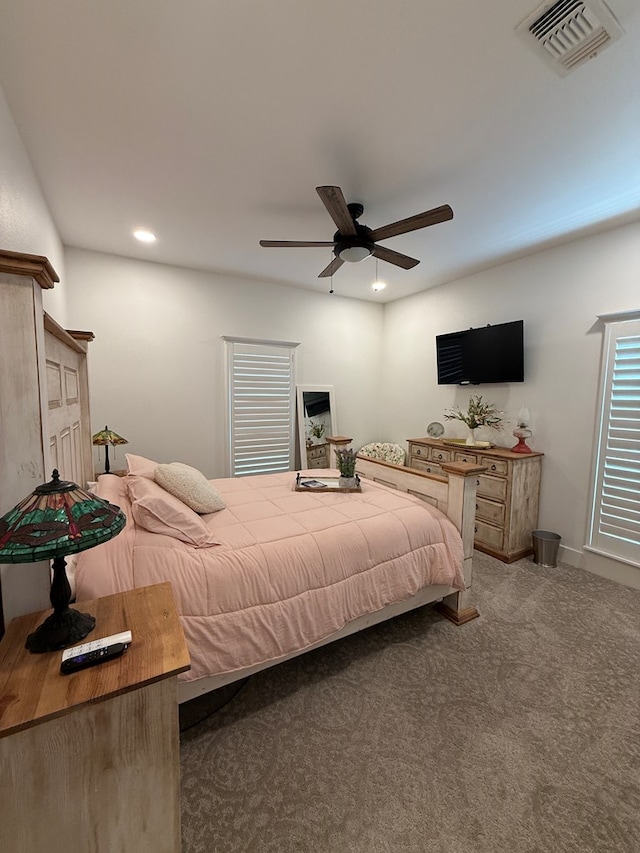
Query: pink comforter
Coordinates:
[292,567]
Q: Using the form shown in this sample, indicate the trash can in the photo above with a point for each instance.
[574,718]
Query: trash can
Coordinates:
[545,548]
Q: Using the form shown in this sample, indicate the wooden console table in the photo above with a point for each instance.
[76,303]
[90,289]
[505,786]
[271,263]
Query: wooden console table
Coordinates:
[90,761]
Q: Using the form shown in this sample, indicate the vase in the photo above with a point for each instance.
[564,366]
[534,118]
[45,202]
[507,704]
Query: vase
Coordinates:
[347,482]
[471,438]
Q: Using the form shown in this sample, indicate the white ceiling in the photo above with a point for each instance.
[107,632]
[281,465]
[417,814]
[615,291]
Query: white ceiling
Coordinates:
[211,122]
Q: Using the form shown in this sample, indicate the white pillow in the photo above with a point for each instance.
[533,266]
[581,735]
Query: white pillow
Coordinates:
[190,486]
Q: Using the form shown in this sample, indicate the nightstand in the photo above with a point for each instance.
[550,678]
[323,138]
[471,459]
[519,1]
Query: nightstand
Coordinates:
[90,761]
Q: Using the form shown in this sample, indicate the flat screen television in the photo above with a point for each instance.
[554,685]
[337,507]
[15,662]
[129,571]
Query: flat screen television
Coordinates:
[482,356]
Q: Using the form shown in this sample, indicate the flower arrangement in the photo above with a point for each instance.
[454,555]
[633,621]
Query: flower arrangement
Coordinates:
[346,461]
[478,414]
[316,429]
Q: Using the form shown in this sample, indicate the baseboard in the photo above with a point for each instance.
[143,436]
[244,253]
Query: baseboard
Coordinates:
[601,565]
[571,556]
[612,569]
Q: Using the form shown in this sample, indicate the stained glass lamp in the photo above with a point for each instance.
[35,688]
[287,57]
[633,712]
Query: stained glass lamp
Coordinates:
[104,438]
[58,518]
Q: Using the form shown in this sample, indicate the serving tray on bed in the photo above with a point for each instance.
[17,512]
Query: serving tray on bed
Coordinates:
[324,484]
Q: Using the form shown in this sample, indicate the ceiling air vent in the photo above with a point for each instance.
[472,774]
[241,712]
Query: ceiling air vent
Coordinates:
[570,32]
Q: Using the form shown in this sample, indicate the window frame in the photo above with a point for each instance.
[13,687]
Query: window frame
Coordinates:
[617,537]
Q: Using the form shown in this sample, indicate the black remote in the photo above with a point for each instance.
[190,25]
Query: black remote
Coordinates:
[82,661]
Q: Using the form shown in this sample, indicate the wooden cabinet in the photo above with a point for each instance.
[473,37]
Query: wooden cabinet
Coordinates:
[90,761]
[44,397]
[318,456]
[508,492]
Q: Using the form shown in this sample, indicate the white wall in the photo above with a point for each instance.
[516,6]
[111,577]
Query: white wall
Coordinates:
[157,362]
[559,293]
[26,226]
[25,221]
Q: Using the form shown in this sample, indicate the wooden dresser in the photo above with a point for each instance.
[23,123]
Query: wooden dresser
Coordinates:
[318,456]
[90,761]
[508,493]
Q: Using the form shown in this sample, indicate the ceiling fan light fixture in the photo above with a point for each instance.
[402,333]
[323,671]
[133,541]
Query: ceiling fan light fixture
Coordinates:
[353,254]
[144,235]
[377,284]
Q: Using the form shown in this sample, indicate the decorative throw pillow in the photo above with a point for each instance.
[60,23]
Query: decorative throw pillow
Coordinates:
[139,466]
[157,511]
[190,486]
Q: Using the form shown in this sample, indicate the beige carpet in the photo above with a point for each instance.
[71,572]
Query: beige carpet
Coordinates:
[519,732]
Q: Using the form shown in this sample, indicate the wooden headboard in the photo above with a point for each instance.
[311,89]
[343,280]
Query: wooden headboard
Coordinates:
[69,422]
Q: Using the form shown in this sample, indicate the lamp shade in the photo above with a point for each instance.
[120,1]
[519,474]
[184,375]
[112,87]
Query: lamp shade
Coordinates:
[58,518]
[105,438]
[108,436]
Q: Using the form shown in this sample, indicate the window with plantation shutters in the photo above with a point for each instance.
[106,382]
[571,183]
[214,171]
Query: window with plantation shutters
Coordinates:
[615,510]
[261,406]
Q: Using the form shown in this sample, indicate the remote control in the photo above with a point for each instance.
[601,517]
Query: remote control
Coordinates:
[80,661]
[96,651]
[123,637]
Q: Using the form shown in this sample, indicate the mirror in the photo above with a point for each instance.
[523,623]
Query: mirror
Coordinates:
[316,421]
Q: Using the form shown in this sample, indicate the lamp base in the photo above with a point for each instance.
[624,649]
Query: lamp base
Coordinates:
[62,628]
[522,434]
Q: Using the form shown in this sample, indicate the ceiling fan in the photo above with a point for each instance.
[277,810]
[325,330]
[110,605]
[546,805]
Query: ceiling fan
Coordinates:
[354,242]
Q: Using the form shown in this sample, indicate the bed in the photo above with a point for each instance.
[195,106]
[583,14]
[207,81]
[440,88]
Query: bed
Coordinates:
[278,572]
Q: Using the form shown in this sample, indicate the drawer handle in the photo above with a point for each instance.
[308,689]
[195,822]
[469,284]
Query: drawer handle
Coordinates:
[476,506]
[475,529]
[477,482]
[418,452]
[439,456]
[493,467]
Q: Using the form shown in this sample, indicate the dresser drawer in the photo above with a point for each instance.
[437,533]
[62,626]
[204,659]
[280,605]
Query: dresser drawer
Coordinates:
[492,487]
[487,534]
[495,466]
[464,456]
[317,463]
[317,452]
[437,454]
[418,451]
[426,466]
[490,511]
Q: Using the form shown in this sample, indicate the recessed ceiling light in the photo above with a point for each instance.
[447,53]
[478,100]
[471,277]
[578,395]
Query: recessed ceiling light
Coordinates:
[144,235]
[378,285]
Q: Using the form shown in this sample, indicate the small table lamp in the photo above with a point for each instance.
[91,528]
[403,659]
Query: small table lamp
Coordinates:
[522,432]
[56,519]
[107,437]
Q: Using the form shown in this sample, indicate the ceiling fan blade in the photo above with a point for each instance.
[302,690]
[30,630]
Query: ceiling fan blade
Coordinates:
[396,258]
[413,223]
[335,264]
[334,201]
[297,243]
